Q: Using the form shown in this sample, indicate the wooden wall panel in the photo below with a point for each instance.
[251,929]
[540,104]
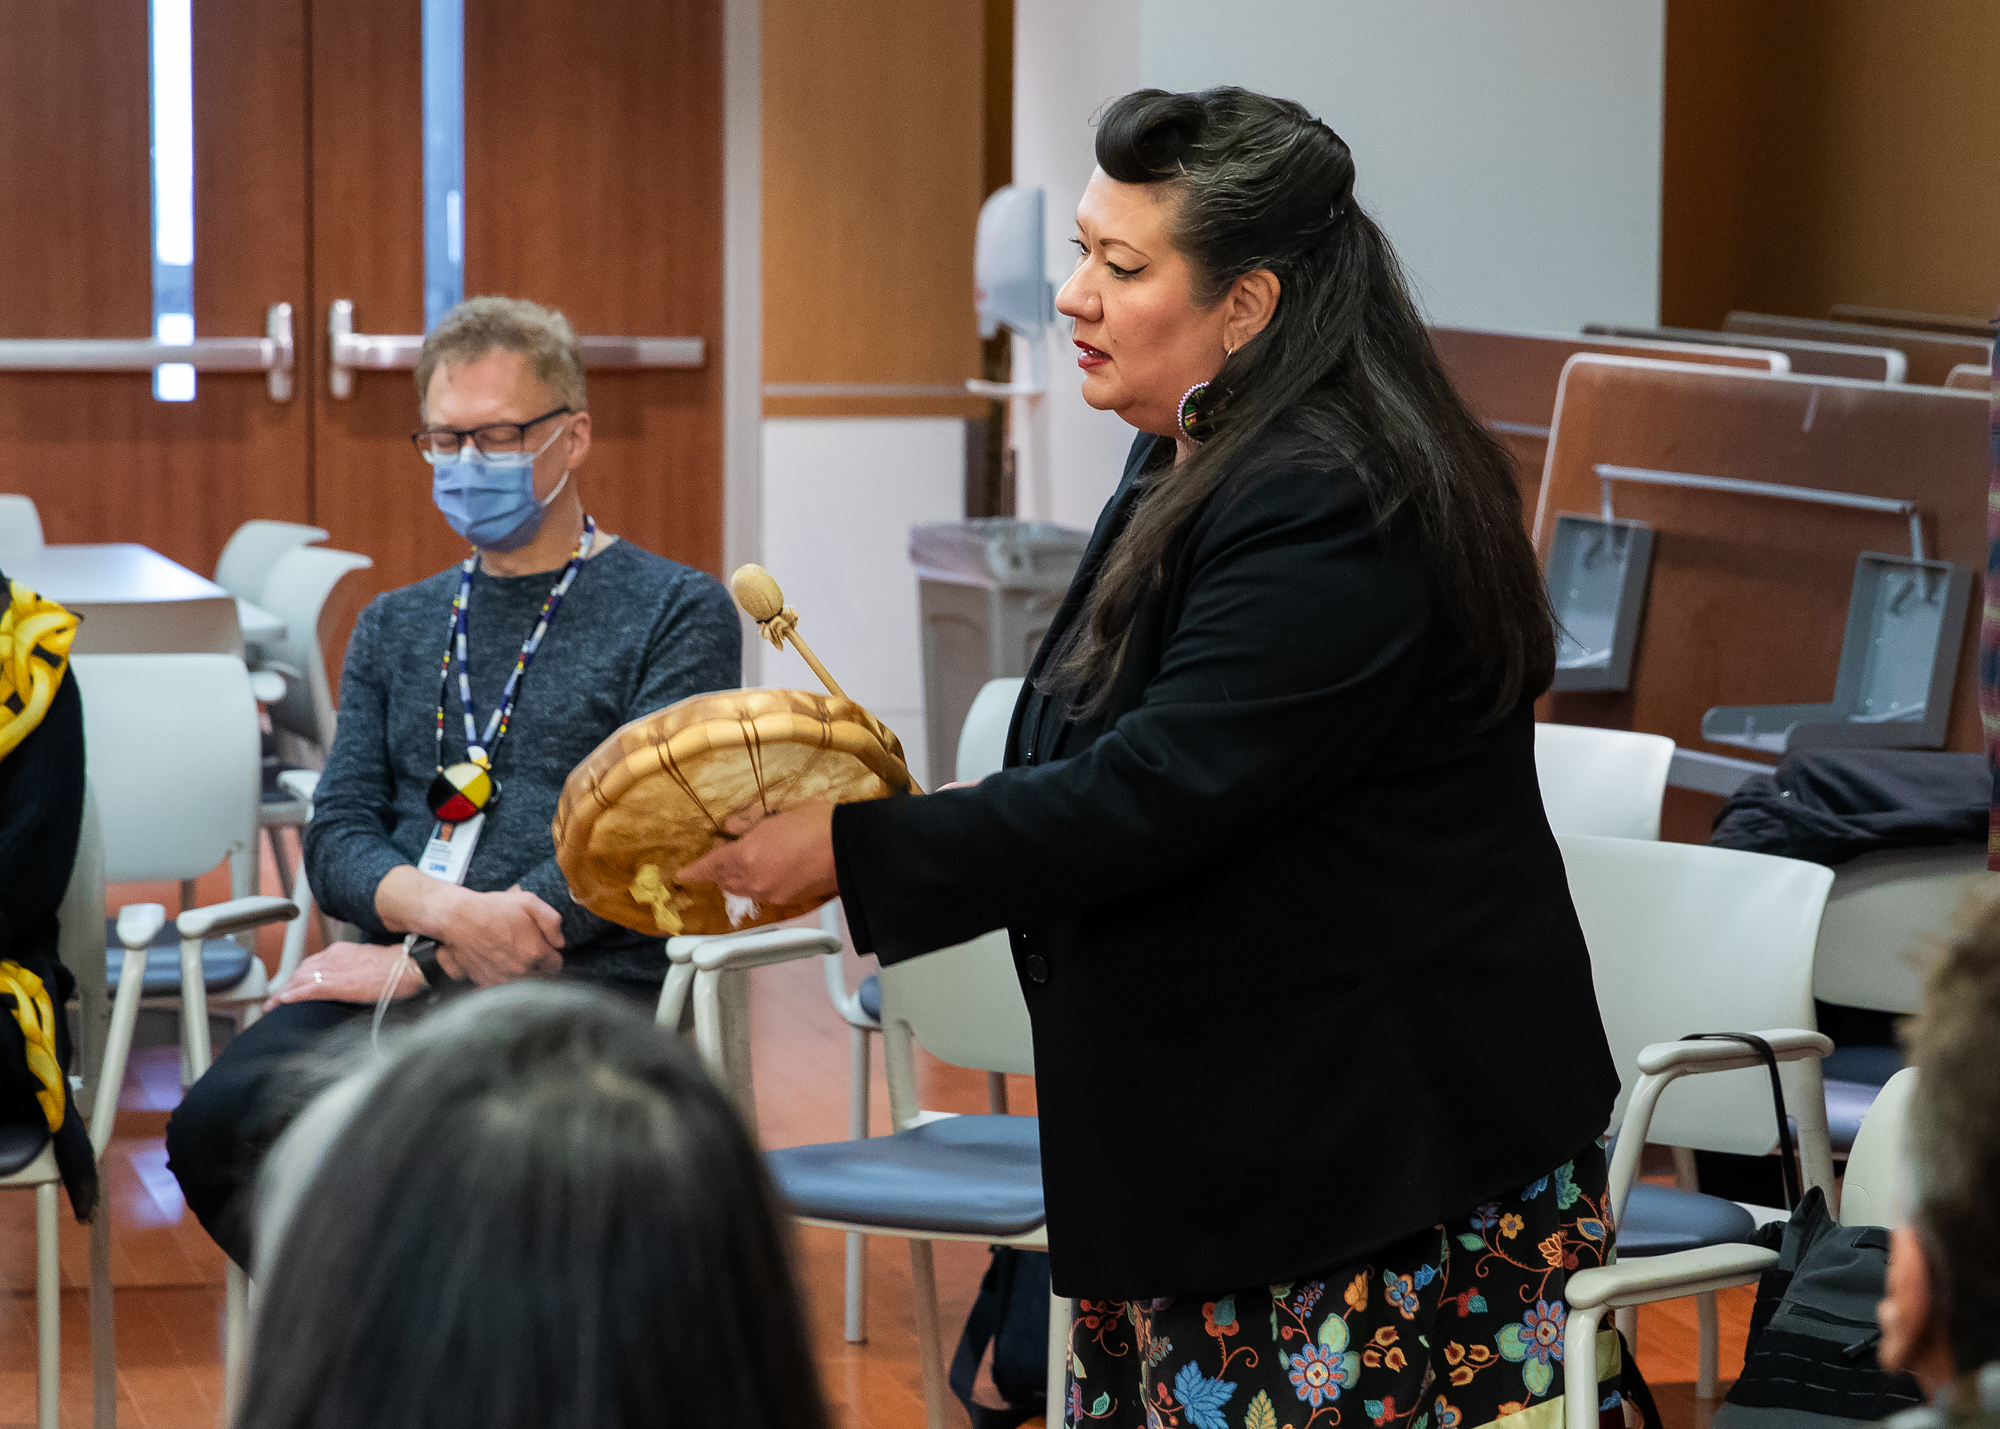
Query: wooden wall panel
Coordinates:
[1748,597]
[1511,379]
[101,458]
[1829,151]
[874,161]
[603,197]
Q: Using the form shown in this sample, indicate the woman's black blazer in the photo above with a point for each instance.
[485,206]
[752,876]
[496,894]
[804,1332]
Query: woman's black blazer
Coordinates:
[1294,934]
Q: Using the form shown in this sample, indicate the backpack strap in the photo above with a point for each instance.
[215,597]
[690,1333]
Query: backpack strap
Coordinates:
[1788,1163]
[989,1309]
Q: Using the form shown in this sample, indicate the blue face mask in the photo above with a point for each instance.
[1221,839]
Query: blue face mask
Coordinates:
[490,500]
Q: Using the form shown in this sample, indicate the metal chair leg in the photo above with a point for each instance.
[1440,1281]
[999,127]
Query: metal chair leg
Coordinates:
[1057,1414]
[930,1338]
[1708,1352]
[1627,1321]
[235,1337]
[857,1244]
[103,1326]
[48,1309]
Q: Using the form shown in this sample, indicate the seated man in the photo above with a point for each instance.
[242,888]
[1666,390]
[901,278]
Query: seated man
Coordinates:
[1941,1313]
[506,671]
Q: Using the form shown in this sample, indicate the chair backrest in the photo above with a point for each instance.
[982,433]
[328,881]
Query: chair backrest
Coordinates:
[1970,377]
[80,921]
[173,748]
[247,559]
[20,524]
[1605,782]
[1685,938]
[1883,909]
[982,743]
[301,583]
[1874,1190]
[964,1004]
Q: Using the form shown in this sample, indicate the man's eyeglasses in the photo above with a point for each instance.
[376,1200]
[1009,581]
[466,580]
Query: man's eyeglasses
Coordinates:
[492,439]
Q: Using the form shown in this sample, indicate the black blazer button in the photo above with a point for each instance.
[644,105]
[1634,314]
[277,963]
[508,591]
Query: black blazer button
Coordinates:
[1038,968]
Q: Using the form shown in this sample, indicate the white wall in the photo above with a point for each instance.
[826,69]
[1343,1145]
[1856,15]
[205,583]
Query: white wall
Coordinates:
[1070,57]
[1510,148]
[839,497]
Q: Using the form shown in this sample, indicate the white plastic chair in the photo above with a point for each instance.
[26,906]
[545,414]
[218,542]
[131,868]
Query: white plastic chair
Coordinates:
[253,548]
[1871,1194]
[964,1005]
[20,525]
[104,1044]
[1685,939]
[1603,782]
[982,749]
[106,1041]
[1884,908]
[173,748]
[300,584]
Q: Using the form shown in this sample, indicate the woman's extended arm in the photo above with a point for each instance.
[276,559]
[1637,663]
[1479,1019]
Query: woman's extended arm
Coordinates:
[1299,646]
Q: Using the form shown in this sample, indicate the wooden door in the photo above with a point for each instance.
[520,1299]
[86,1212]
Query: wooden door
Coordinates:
[100,457]
[593,158]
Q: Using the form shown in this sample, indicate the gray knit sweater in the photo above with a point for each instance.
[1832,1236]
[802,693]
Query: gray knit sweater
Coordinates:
[636,632]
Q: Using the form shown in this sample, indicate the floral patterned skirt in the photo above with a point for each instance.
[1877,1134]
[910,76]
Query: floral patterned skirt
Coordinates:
[1455,1327]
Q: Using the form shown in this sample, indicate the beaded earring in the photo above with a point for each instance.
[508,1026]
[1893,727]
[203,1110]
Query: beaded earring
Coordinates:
[1202,407]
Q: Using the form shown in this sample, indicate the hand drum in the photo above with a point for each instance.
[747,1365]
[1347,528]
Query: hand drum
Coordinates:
[662,791]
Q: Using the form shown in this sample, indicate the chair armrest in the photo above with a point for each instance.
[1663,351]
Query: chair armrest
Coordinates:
[1791,1044]
[220,919]
[300,783]
[1642,1280]
[138,923]
[760,949]
[124,1017]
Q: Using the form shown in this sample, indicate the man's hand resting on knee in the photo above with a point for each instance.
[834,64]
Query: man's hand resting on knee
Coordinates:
[490,938]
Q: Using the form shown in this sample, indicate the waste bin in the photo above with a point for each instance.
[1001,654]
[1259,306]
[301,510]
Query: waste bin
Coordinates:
[986,592]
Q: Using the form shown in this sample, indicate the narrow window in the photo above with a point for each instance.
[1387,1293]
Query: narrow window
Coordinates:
[172,78]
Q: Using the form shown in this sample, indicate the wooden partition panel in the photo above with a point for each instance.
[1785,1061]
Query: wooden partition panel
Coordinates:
[1981,328]
[874,169]
[1509,379]
[1748,598]
[1931,355]
[1808,358]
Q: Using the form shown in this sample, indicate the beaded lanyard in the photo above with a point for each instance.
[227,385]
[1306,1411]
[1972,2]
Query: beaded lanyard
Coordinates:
[468,788]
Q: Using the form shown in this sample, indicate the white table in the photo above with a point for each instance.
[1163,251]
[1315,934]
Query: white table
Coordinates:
[134,600]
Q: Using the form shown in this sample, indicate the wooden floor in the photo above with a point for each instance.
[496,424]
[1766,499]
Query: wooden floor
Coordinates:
[168,1275]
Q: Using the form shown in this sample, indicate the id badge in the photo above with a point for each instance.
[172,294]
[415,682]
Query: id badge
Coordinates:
[449,852]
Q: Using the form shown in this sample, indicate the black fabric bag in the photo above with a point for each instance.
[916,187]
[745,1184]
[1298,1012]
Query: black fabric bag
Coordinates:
[1810,1361]
[1011,1314]
[1830,805]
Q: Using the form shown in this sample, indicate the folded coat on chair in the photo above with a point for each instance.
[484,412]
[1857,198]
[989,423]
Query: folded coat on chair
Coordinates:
[1296,939]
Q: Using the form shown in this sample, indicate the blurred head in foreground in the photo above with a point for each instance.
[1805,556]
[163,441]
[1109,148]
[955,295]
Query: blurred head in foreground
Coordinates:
[1941,1313]
[537,1211]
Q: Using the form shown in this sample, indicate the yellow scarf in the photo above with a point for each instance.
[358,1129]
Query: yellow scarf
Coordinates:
[33,1011]
[35,636]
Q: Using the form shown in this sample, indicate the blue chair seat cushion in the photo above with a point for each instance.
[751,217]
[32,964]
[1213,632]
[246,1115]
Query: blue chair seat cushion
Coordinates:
[20,1143]
[1846,1104]
[1660,1220]
[224,962]
[869,995]
[967,1175]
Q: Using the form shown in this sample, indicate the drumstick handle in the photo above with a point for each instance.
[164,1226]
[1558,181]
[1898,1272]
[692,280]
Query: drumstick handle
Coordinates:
[805,650]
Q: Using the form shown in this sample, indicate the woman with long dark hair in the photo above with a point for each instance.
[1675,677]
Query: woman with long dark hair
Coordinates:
[539,1213]
[1320,1067]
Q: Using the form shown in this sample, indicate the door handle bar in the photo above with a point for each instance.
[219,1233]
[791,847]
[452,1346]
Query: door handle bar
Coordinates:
[350,351]
[272,354]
